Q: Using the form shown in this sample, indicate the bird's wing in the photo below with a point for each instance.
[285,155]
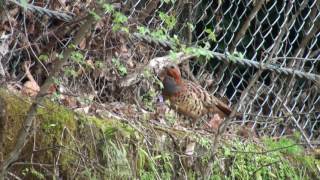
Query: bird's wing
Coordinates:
[221,105]
[209,101]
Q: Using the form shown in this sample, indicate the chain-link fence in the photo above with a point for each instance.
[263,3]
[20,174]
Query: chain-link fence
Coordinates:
[261,57]
[281,38]
[283,35]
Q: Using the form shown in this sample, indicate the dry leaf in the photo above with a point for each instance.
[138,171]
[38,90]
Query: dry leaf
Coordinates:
[83,110]
[30,88]
[215,122]
[70,102]
[82,44]
[90,63]
[190,148]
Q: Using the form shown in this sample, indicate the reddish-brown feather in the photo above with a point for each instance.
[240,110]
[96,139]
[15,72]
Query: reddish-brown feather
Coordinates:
[189,98]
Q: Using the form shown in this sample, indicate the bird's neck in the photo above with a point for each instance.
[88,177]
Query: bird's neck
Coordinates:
[171,86]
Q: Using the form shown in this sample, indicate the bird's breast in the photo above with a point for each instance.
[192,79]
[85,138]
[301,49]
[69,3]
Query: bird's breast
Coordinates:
[188,104]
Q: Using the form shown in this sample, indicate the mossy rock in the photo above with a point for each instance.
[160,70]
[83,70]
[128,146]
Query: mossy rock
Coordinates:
[59,136]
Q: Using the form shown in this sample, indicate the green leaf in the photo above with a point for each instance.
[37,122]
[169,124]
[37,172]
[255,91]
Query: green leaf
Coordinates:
[43,57]
[120,67]
[98,64]
[120,18]
[170,21]
[24,4]
[143,30]
[227,151]
[235,56]
[70,72]
[211,35]
[108,8]
[147,73]
[159,35]
[122,70]
[77,57]
[95,15]
[199,51]
[190,26]
[173,56]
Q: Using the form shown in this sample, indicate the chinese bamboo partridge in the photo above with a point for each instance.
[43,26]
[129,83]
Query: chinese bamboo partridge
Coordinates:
[188,98]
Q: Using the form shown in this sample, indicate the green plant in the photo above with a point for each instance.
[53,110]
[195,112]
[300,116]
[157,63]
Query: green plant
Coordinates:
[146,165]
[272,159]
[24,4]
[119,20]
[148,99]
[33,172]
[169,21]
[120,67]
[77,57]
[283,145]
[173,56]
[152,78]
[98,64]
[90,174]
[170,118]
[159,35]
[235,56]
[143,30]
[204,142]
[43,57]
[108,8]
[211,35]
[199,51]
[190,26]
[70,72]
[95,15]
[115,156]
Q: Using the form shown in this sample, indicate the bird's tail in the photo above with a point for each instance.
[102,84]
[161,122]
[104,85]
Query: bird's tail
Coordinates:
[224,108]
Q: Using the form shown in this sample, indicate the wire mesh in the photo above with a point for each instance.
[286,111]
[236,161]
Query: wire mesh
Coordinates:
[281,33]
[280,37]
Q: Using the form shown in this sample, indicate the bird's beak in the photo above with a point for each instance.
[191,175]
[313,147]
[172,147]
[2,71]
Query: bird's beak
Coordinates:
[162,74]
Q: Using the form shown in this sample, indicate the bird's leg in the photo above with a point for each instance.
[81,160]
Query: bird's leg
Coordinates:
[190,146]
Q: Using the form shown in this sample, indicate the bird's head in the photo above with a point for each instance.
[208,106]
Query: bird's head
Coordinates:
[171,80]
[173,71]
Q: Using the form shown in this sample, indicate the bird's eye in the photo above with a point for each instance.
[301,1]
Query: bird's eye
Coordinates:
[172,67]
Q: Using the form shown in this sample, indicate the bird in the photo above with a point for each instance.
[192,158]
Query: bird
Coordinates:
[189,98]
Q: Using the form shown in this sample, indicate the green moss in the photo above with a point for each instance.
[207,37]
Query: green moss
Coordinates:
[80,142]
[16,110]
[281,159]
[110,127]
[54,118]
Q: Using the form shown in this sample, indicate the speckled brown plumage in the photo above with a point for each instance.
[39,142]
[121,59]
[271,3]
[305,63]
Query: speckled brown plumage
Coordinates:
[189,98]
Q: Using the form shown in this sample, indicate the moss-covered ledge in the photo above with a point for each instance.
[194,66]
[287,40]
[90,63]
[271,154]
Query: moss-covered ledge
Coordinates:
[60,136]
[69,145]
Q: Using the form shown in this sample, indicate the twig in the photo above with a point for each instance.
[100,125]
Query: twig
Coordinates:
[265,165]
[155,64]
[15,176]
[269,151]
[299,127]
[64,16]
[246,25]
[2,72]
